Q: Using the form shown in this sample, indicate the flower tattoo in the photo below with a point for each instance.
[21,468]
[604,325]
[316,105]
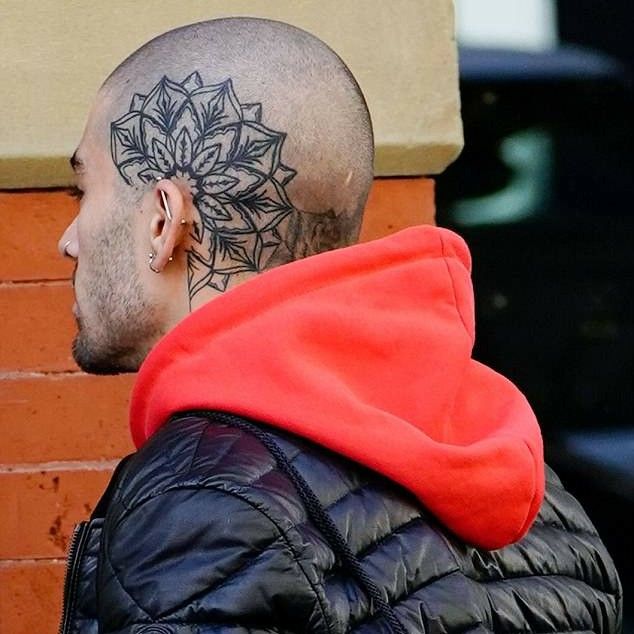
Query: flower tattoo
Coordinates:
[231,161]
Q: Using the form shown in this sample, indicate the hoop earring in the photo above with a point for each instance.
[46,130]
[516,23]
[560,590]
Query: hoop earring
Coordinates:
[151,258]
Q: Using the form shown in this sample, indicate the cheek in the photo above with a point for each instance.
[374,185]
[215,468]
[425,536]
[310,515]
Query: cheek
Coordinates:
[87,262]
[81,287]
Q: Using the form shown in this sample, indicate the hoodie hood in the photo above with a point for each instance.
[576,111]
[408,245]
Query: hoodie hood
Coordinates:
[367,351]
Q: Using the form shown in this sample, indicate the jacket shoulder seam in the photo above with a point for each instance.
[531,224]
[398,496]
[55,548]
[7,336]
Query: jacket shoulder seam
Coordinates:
[281,532]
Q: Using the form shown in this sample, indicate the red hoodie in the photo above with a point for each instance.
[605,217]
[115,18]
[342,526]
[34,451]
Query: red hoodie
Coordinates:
[367,351]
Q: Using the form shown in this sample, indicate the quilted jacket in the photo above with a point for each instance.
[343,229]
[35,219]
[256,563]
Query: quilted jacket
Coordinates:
[267,532]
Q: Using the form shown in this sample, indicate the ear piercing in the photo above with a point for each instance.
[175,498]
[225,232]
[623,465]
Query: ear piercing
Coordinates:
[65,247]
[151,257]
[168,211]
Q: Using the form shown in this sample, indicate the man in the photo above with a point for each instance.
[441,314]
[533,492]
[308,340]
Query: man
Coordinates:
[317,450]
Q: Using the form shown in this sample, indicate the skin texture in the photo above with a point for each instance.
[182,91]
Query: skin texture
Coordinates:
[214,152]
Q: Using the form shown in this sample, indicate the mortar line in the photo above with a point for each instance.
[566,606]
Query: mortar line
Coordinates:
[8,563]
[54,281]
[18,374]
[60,465]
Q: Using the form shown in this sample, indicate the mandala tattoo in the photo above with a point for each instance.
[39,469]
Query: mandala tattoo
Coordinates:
[231,161]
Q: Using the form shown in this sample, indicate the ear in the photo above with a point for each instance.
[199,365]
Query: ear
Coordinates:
[168,222]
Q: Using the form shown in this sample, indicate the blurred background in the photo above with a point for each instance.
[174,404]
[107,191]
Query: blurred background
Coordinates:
[543,192]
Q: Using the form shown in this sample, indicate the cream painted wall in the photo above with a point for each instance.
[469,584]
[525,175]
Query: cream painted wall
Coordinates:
[54,54]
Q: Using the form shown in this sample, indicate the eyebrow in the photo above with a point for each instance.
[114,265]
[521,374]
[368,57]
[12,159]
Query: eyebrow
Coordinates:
[76,163]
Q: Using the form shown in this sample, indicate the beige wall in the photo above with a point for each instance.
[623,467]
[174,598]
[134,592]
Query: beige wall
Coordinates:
[54,54]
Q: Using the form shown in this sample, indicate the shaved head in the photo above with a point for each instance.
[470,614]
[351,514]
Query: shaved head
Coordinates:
[263,122]
[214,152]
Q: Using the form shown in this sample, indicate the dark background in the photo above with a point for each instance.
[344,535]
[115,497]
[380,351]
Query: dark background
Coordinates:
[543,195]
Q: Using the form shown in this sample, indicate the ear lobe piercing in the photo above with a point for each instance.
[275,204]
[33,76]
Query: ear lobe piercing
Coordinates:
[151,257]
[65,248]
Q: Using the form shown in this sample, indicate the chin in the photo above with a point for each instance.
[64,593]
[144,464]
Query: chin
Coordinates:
[94,360]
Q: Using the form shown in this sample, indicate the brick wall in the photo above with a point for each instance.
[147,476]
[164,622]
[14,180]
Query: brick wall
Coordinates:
[63,431]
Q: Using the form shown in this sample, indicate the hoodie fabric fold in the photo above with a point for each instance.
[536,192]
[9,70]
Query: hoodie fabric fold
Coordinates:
[366,351]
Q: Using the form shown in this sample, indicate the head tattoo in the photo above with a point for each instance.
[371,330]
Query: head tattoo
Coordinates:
[231,162]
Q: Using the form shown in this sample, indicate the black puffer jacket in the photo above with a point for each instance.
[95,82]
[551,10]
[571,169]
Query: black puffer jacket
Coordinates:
[218,525]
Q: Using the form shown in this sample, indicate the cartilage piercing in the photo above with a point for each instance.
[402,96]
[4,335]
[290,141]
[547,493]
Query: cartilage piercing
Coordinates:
[168,212]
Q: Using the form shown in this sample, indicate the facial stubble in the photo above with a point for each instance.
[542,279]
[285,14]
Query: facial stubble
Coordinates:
[115,322]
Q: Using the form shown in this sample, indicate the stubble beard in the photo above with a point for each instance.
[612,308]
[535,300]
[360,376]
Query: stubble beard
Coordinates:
[115,332]
[96,358]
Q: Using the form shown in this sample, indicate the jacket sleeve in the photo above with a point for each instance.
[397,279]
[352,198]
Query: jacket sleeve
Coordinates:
[205,559]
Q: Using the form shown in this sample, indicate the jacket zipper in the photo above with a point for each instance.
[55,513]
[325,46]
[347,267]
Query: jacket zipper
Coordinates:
[71,578]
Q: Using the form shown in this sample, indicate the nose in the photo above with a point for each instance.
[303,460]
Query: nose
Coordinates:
[68,245]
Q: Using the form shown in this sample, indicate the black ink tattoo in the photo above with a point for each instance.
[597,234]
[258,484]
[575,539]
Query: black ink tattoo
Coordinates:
[230,160]
[310,234]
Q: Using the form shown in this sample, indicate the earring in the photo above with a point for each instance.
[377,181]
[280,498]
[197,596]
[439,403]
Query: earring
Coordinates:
[151,257]
[168,211]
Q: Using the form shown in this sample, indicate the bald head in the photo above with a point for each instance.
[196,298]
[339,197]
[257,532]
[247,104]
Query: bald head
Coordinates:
[214,152]
[262,122]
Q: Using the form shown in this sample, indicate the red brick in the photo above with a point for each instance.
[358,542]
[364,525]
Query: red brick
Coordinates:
[31,596]
[32,223]
[40,507]
[64,417]
[37,327]
[397,203]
